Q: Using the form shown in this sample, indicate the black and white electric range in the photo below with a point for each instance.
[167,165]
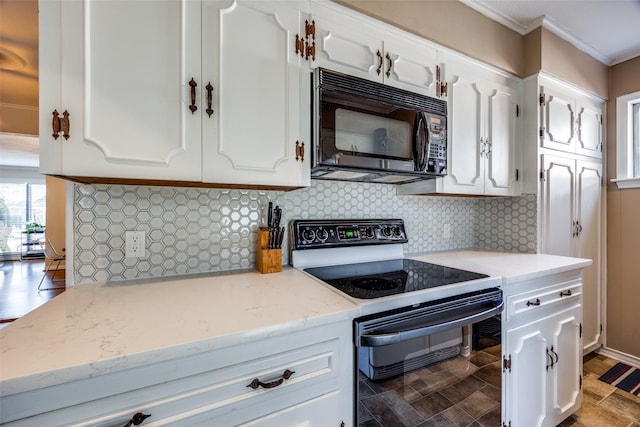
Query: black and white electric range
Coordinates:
[412,313]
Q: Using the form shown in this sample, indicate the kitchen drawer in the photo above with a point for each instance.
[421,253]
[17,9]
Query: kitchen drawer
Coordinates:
[223,391]
[542,301]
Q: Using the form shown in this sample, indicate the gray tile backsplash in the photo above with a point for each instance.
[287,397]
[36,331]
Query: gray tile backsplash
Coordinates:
[192,230]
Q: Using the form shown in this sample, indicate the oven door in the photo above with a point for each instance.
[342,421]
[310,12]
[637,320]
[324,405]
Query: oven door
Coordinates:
[419,364]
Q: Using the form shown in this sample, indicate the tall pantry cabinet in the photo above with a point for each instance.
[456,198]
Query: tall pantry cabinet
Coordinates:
[568,179]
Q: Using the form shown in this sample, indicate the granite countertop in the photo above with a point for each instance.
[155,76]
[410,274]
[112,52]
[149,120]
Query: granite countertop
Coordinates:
[512,267]
[94,329]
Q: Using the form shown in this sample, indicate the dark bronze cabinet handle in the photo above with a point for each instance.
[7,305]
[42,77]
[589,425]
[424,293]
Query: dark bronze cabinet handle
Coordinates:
[137,419]
[566,293]
[389,65]
[55,124]
[209,98]
[550,357]
[536,302]
[256,383]
[379,55]
[193,85]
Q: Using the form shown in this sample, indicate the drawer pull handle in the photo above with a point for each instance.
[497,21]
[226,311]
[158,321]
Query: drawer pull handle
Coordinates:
[256,383]
[137,419]
[536,302]
[566,293]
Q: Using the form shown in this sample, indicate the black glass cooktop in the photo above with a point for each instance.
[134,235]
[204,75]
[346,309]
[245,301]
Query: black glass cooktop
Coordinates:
[383,278]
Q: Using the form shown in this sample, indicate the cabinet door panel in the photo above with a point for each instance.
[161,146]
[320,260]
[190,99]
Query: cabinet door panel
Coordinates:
[410,65]
[558,117]
[564,389]
[465,130]
[347,44]
[126,87]
[501,140]
[252,139]
[558,205]
[589,215]
[589,131]
[525,387]
[315,412]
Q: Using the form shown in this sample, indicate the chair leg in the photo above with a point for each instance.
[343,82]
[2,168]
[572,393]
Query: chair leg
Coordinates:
[54,275]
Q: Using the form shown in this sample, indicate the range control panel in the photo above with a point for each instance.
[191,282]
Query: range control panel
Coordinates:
[313,234]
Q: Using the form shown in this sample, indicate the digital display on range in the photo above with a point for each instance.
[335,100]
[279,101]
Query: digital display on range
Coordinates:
[347,233]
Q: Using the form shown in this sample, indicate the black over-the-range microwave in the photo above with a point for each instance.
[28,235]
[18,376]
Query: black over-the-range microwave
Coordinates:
[369,131]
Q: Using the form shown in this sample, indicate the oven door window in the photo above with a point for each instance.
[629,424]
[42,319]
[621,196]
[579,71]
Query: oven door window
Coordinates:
[449,377]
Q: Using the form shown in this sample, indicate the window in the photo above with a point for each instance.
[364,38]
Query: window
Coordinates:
[21,204]
[628,141]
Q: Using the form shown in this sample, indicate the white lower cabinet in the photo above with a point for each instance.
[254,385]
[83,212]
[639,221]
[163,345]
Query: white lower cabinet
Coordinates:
[302,378]
[542,352]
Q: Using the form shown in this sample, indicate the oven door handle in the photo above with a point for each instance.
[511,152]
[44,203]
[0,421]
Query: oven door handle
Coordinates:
[466,317]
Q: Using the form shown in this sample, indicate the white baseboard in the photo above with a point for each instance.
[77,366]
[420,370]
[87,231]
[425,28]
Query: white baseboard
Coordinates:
[620,356]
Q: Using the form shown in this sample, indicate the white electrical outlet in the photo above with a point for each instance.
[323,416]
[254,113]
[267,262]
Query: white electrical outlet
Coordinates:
[134,244]
[446,231]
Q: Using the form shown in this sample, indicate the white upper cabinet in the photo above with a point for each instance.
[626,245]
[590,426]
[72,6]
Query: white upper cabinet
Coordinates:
[569,121]
[198,91]
[483,140]
[360,47]
[121,71]
[261,95]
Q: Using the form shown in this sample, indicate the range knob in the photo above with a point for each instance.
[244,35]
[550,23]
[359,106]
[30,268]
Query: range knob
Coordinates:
[368,233]
[386,231]
[322,234]
[308,235]
[396,231]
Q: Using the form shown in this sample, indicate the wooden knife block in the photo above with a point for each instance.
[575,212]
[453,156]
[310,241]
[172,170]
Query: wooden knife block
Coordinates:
[267,260]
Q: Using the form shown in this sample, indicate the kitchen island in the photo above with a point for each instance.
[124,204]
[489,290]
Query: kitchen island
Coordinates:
[189,349]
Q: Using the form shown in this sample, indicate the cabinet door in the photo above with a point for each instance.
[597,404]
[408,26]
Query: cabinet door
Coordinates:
[501,142]
[557,118]
[465,129]
[589,123]
[564,388]
[589,216]
[524,390]
[124,77]
[347,44]
[409,65]
[261,95]
[558,205]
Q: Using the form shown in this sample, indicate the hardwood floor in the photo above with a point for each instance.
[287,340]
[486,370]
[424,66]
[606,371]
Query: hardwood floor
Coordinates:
[19,287]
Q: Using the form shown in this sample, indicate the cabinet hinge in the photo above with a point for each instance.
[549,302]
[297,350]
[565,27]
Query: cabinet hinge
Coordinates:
[600,327]
[580,381]
[506,425]
[517,174]
[517,110]
[541,174]
[541,132]
[300,151]
[506,363]
[580,330]
[542,99]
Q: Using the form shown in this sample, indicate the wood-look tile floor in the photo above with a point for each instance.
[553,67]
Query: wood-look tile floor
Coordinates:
[19,287]
[603,405]
[460,393]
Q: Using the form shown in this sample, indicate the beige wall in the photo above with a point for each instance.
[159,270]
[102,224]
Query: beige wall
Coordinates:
[623,230]
[454,25]
[562,60]
[56,195]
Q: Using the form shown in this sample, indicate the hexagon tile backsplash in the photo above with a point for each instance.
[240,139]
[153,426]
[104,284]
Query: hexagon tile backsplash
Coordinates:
[193,230]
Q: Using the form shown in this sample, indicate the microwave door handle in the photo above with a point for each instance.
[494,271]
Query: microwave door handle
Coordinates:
[466,317]
[419,153]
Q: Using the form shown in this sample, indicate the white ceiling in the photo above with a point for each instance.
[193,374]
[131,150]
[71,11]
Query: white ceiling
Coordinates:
[608,30]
